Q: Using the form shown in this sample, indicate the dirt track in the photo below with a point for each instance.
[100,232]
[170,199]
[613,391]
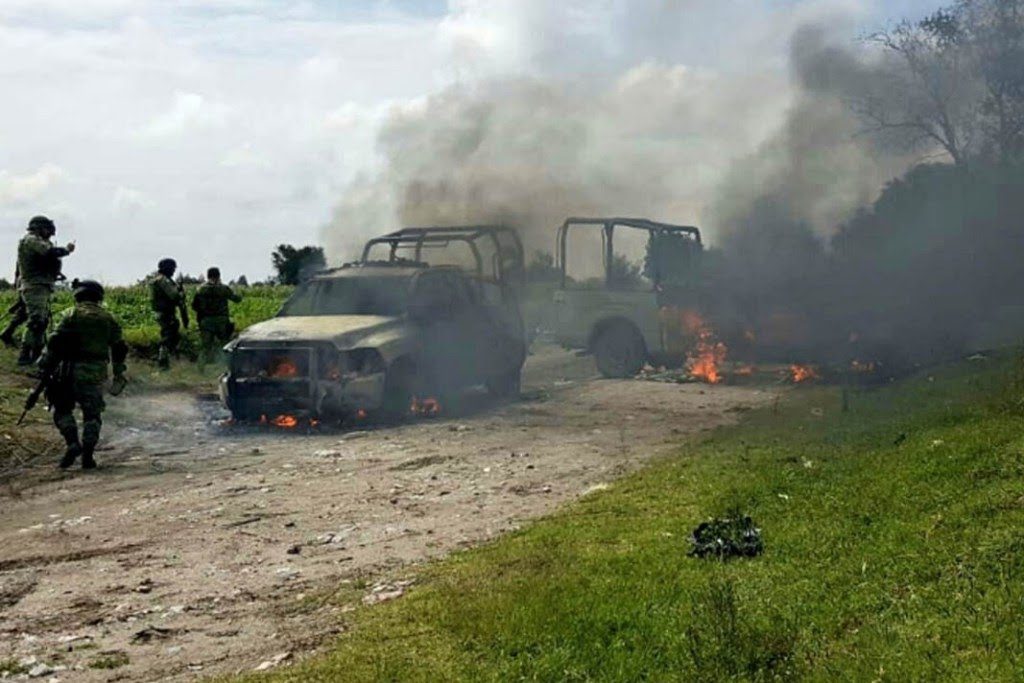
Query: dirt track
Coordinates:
[199,549]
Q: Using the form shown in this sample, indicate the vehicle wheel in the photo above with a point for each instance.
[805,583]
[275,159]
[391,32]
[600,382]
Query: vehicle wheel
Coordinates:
[619,352]
[505,386]
[398,389]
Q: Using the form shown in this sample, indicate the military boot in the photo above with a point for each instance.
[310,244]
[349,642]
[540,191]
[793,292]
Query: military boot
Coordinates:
[71,455]
[88,462]
[7,336]
[26,357]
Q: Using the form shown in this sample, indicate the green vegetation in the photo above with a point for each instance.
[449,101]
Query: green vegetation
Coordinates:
[11,667]
[131,306]
[894,550]
[110,660]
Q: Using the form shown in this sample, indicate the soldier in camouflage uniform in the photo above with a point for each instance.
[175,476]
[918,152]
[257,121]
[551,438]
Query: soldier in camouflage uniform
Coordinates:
[86,339]
[19,315]
[167,299]
[38,271]
[213,317]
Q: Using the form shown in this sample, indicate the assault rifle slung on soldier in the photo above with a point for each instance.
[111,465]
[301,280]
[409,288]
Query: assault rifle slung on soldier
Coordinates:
[34,396]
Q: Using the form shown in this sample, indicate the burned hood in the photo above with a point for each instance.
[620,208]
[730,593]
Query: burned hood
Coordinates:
[343,331]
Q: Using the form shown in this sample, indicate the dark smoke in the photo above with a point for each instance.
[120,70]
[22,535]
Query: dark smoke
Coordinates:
[809,250]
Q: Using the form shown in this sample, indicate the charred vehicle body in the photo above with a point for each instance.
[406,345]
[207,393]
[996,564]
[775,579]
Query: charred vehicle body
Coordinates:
[633,310]
[426,312]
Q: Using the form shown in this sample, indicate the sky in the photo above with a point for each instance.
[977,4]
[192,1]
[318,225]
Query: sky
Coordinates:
[213,130]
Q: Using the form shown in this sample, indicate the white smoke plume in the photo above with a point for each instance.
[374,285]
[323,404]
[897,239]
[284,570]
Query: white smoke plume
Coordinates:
[609,115]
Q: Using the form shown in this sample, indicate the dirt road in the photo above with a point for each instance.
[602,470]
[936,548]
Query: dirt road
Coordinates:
[200,549]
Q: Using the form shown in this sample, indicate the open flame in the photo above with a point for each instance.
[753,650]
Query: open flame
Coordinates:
[285,421]
[425,407]
[283,367]
[361,414]
[705,360]
[803,373]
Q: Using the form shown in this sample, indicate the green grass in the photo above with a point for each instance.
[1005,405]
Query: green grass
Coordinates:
[894,541]
[131,307]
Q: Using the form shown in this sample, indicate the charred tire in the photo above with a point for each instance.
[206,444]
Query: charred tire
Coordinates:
[619,351]
[399,388]
[505,386]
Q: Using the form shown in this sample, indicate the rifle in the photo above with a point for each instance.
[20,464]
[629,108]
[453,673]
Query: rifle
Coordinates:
[182,302]
[33,398]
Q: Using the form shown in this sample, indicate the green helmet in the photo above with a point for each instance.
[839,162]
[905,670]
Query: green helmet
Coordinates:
[42,225]
[167,266]
[87,290]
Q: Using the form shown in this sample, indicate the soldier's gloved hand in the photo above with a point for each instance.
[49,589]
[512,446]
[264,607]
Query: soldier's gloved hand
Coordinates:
[118,384]
[70,247]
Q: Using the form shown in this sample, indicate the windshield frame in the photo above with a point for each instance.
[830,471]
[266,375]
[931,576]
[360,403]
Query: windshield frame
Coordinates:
[319,297]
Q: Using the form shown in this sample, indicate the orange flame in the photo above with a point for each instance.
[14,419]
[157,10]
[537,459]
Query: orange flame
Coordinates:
[426,406]
[705,360]
[285,421]
[283,367]
[361,414]
[803,373]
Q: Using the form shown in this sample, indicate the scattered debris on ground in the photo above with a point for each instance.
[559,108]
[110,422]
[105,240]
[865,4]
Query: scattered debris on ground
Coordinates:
[728,537]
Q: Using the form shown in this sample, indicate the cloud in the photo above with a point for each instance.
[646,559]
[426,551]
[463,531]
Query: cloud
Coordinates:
[20,190]
[189,111]
[129,202]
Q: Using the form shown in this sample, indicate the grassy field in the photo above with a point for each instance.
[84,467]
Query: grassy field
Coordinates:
[894,541]
[37,438]
[131,306]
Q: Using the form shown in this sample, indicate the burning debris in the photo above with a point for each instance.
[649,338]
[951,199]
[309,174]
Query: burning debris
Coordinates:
[704,362]
[800,374]
[427,407]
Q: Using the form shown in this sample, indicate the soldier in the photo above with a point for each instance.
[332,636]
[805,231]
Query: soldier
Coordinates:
[86,339]
[167,299]
[212,315]
[38,271]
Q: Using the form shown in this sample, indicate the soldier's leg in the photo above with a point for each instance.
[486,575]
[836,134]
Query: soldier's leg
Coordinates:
[90,398]
[19,315]
[207,343]
[168,339]
[37,307]
[64,419]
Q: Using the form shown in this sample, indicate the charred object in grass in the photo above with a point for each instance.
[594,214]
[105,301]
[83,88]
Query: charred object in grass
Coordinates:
[725,538]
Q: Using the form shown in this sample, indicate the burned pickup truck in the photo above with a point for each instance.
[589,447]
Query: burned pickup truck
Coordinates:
[433,314]
[627,287]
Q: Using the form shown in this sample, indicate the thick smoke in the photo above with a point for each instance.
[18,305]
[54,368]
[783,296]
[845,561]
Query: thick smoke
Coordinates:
[653,139]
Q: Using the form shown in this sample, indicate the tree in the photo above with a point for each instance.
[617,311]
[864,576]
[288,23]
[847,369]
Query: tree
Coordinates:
[954,80]
[294,265]
[928,91]
[242,281]
[995,30]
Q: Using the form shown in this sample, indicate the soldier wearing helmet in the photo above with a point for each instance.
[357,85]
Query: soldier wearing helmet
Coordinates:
[213,316]
[167,299]
[39,266]
[87,338]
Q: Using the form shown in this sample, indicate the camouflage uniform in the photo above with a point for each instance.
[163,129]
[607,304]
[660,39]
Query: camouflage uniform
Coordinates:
[18,313]
[213,317]
[166,298]
[86,339]
[38,269]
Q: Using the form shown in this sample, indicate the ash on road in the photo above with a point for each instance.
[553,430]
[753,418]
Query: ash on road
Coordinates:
[199,550]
